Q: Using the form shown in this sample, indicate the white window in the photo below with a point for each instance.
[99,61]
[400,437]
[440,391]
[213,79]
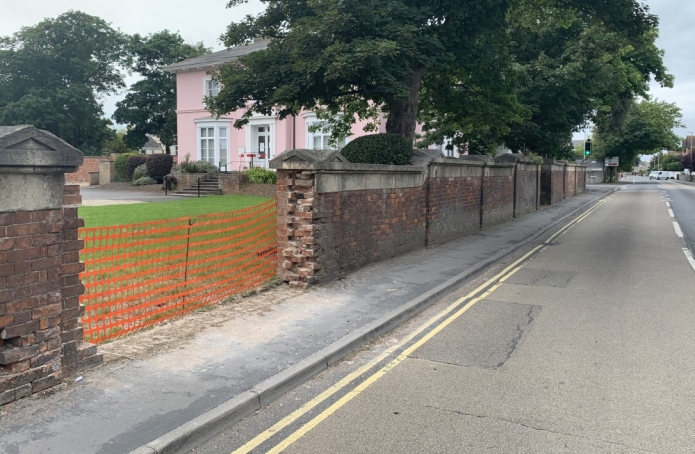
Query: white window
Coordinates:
[319,139]
[212,88]
[214,144]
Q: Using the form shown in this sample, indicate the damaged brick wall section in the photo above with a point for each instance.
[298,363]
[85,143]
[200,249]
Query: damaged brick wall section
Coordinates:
[40,328]
[335,217]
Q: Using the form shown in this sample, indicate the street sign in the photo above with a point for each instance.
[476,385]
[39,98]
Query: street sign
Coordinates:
[612,162]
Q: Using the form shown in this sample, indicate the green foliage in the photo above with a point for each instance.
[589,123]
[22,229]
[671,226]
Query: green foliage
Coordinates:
[188,166]
[140,172]
[53,74]
[687,162]
[159,165]
[533,157]
[673,166]
[172,182]
[259,175]
[644,127]
[120,165]
[392,149]
[133,163]
[144,181]
[117,145]
[149,106]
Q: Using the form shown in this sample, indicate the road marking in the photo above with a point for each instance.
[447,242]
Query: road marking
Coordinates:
[670,212]
[299,433]
[668,204]
[677,227]
[564,230]
[289,419]
[689,256]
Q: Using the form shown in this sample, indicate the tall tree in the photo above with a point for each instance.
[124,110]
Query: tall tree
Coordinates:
[53,75]
[370,58]
[646,128]
[150,105]
[575,69]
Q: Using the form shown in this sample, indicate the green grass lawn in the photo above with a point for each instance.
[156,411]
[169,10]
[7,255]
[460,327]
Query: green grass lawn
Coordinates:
[153,211]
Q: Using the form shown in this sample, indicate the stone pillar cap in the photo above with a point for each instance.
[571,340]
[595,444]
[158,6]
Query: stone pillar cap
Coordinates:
[26,149]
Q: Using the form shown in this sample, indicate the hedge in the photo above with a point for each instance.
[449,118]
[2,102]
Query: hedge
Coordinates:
[391,149]
[120,165]
[132,164]
[159,165]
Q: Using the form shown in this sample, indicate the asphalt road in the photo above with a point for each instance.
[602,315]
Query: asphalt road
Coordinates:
[584,345]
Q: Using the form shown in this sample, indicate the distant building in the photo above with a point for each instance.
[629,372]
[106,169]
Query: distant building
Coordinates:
[153,146]
[595,170]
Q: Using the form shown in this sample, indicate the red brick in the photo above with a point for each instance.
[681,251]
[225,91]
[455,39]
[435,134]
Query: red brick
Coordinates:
[22,255]
[47,382]
[45,311]
[18,330]
[44,264]
[23,229]
[15,355]
[75,290]
[45,287]
[7,295]
[46,334]
[7,219]
[15,381]
[23,217]
[22,391]
[15,368]
[22,279]
[45,358]
[22,267]
[7,396]
[7,269]
[6,320]
[22,317]
[6,244]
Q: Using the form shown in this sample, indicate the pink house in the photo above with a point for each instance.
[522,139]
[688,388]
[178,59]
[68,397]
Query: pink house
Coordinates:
[215,140]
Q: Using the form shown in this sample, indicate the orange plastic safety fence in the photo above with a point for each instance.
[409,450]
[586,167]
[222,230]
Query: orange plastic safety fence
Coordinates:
[137,275]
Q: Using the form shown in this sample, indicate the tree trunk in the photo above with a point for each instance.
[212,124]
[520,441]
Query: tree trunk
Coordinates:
[403,112]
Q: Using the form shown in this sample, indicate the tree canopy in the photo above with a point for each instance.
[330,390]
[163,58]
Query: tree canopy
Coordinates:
[150,105]
[646,127]
[53,74]
[480,72]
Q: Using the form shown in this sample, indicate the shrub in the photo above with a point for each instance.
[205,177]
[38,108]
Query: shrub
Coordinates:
[673,166]
[172,182]
[144,181]
[391,149]
[195,167]
[140,171]
[258,175]
[120,165]
[159,165]
[132,164]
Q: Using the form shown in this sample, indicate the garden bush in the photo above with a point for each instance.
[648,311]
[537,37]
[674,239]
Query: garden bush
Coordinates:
[144,181]
[159,165]
[140,171]
[120,165]
[391,149]
[258,175]
[133,163]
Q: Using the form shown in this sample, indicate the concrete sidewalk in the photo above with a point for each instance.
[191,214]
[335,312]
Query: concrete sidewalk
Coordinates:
[118,409]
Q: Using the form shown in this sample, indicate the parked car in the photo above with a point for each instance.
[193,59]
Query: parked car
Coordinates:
[663,175]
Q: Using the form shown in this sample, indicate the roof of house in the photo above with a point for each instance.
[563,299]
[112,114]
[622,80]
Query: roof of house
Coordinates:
[593,164]
[152,144]
[216,59]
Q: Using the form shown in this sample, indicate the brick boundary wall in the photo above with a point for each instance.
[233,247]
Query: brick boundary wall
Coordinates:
[497,204]
[40,327]
[91,164]
[335,217]
[570,180]
[527,181]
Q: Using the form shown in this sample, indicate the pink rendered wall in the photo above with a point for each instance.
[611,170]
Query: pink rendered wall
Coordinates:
[190,107]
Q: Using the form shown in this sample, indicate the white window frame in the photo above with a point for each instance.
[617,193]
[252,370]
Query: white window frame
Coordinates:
[216,125]
[310,119]
[206,90]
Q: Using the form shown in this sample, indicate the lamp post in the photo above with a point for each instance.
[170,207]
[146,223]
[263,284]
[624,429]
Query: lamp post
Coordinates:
[691,152]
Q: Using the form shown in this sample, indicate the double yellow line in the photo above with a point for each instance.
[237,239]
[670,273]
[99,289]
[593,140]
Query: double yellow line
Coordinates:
[491,285]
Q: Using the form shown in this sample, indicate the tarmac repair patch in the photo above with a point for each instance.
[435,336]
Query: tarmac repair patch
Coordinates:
[486,336]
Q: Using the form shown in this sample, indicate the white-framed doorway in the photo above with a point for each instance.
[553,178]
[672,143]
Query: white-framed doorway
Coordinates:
[260,141]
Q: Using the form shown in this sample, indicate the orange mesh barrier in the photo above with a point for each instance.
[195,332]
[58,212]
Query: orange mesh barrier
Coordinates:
[137,275]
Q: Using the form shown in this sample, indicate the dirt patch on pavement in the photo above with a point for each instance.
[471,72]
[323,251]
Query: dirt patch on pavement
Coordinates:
[172,334]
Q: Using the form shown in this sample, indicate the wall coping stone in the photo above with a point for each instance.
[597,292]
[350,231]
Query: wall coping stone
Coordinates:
[26,149]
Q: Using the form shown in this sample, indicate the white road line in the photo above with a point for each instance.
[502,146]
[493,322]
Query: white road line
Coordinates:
[677,227]
[689,256]
[670,213]
[668,204]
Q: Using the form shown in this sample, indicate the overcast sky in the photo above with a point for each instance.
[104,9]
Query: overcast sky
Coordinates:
[206,20]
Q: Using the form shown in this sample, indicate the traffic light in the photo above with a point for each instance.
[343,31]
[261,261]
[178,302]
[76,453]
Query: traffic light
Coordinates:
[587,147]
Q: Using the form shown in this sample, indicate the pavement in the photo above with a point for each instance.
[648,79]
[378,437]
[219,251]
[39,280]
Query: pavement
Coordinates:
[180,397]
[584,344]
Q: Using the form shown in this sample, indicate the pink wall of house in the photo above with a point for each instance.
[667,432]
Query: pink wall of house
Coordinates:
[240,143]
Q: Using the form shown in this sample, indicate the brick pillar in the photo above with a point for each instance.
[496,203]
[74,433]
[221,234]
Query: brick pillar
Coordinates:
[298,237]
[40,331]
